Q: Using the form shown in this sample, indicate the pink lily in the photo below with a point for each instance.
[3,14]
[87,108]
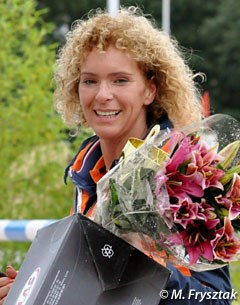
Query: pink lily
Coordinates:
[226,245]
[197,240]
[184,212]
[206,161]
[234,195]
[231,200]
[186,184]
[192,168]
[206,212]
[180,155]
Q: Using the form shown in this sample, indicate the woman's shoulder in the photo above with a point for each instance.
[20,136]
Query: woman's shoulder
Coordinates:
[84,144]
[87,141]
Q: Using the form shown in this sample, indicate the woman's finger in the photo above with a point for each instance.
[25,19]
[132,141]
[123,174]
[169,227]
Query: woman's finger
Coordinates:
[4,291]
[2,301]
[6,282]
[11,272]
[3,282]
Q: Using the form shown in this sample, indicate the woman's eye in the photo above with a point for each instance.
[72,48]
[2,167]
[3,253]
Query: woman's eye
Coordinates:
[121,81]
[88,81]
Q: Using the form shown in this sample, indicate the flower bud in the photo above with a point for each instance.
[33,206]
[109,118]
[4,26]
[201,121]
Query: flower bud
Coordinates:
[229,153]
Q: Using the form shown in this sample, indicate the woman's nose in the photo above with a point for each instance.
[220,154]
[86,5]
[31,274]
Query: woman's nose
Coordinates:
[104,92]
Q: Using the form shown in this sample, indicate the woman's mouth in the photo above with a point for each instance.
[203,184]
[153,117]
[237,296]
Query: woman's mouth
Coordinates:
[107,114]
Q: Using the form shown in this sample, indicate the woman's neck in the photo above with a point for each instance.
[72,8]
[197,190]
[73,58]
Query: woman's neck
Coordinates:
[112,149]
[111,152]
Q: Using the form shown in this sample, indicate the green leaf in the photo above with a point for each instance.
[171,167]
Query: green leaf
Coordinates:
[183,166]
[113,191]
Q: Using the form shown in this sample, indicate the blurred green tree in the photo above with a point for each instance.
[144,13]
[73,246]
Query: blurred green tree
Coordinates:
[68,11]
[31,148]
[221,52]
[211,30]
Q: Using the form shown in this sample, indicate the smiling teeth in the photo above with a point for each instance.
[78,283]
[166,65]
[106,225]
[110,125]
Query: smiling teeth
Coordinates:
[107,113]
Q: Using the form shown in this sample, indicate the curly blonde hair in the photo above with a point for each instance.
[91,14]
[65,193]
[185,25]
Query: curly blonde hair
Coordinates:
[157,54]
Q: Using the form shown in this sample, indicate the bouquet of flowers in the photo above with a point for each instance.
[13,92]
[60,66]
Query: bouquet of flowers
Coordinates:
[176,196]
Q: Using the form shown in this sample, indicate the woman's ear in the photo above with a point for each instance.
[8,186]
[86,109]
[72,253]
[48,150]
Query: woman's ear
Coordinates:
[151,90]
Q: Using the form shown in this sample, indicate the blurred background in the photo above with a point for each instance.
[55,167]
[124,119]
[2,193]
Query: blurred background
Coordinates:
[35,146]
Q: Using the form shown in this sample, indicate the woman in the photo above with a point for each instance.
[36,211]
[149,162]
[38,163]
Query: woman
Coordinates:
[120,76]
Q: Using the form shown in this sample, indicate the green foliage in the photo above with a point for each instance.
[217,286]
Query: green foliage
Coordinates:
[30,129]
[211,30]
[13,254]
[68,11]
[32,155]
[27,115]
[222,56]
[234,271]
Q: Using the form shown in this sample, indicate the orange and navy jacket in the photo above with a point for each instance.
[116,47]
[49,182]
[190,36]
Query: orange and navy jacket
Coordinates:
[185,286]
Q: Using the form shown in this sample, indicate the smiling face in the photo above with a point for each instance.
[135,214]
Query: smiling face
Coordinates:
[114,95]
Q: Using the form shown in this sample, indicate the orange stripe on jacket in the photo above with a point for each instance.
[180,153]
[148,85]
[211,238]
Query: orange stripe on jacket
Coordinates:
[78,162]
[96,173]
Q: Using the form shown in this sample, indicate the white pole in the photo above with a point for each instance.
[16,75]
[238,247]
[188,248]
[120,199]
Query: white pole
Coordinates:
[113,6]
[166,16]
[22,230]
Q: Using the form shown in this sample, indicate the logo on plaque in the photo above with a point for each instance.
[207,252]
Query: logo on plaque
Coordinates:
[28,288]
[107,251]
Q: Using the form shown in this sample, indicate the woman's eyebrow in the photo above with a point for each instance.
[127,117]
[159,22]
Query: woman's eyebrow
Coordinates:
[121,72]
[113,73]
[87,73]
